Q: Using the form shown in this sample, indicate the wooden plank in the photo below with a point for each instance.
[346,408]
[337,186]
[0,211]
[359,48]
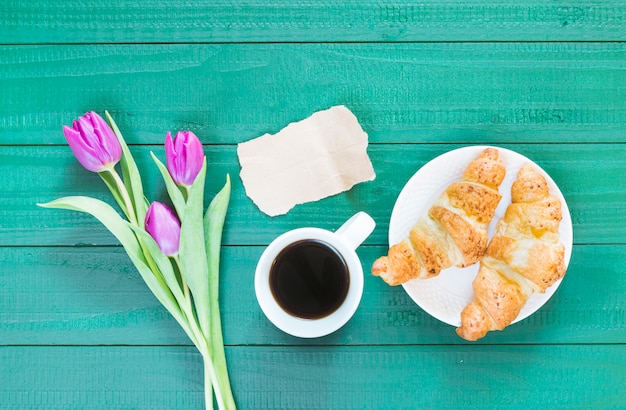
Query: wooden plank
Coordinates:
[92,296]
[160,21]
[79,329]
[595,193]
[409,92]
[337,377]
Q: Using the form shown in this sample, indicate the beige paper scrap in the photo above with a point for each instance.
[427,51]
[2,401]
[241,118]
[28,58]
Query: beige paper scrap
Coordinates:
[306,161]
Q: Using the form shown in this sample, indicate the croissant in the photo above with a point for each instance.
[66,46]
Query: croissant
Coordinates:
[454,232]
[524,257]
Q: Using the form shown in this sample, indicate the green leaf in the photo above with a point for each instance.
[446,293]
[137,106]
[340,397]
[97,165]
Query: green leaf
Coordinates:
[213,228]
[109,181]
[163,263]
[192,257]
[172,189]
[130,173]
[122,231]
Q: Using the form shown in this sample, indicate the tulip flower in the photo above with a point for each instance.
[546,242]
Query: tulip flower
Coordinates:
[181,266]
[93,142]
[184,156]
[163,225]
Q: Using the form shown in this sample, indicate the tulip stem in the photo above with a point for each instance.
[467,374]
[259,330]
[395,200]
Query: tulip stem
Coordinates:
[130,210]
[208,385]
[186,190]
[187,304]
[212,380]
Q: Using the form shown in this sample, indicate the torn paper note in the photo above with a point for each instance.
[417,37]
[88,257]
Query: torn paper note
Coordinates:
[306,161]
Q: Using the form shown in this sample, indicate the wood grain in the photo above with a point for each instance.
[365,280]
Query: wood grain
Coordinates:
[595,195]
[162,21]
[411,92]
[80,330]
[167,377]
[94,296]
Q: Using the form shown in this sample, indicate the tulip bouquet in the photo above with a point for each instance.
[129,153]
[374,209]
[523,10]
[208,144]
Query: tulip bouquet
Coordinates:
[176,251]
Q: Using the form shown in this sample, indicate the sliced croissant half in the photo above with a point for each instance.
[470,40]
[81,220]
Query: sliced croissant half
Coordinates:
[525,256]
[454,230]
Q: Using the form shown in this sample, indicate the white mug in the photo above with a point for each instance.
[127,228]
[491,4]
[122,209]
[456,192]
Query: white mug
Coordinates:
[344,242]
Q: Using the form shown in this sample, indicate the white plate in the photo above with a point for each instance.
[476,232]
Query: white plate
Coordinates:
[445,296]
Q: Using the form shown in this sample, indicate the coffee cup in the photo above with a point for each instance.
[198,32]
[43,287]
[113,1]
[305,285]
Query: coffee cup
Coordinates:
[309,281]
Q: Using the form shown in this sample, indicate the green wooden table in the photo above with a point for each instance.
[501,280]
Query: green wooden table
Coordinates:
[80,330]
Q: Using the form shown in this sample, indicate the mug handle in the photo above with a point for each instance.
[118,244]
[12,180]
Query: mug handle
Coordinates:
[356,229]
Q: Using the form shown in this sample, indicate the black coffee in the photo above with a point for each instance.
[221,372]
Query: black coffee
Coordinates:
[309,279]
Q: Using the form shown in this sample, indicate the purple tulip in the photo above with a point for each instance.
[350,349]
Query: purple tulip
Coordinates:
[163,225]
[93,142]
[184,156]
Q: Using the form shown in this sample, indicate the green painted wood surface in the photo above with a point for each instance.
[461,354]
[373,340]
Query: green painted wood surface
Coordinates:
[595,194]
[80,330]
[447,377]
[407,92]
[41,21]
[92,295]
